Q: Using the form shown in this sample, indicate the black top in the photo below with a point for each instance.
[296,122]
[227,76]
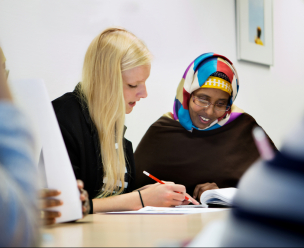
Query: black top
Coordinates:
[83,146]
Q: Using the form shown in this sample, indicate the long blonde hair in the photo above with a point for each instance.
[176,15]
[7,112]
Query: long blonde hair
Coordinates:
[113,51]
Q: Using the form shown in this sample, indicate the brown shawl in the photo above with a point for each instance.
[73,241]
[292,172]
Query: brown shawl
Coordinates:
[171,153]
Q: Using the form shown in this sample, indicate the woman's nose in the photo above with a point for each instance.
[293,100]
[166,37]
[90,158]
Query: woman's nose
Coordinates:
[209,110]
[143,92]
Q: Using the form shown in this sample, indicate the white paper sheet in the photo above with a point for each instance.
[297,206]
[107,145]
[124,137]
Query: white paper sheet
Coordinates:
[160,210]
[32,97]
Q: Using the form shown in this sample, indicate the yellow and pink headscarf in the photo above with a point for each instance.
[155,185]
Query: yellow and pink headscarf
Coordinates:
[196,76]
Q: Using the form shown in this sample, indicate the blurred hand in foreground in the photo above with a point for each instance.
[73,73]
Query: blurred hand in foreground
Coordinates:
[47,200]
[48,217]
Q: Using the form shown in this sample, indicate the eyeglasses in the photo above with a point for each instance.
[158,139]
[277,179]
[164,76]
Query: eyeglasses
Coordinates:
[205,104]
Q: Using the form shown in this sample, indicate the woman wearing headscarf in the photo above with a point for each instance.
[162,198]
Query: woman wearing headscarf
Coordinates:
[91,118]
[206,143]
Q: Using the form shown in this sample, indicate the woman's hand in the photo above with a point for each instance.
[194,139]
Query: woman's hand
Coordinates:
[200,188]
[48,217]
[194,202]
[165,195]
[84,197]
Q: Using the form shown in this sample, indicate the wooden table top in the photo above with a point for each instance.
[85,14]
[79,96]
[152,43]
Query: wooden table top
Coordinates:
[128,230]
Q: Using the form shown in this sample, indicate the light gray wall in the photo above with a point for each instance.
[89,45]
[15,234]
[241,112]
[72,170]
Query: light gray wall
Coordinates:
[48,40]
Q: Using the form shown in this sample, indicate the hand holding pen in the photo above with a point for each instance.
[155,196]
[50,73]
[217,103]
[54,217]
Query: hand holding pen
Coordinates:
[186,199]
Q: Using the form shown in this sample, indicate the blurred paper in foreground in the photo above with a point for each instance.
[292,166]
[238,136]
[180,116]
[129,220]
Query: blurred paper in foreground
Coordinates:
[32,97]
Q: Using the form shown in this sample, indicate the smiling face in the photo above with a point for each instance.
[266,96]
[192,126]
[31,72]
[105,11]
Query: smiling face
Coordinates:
[134,85]
[202,117]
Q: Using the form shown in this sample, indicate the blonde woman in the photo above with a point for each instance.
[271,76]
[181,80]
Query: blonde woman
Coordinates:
[116,67]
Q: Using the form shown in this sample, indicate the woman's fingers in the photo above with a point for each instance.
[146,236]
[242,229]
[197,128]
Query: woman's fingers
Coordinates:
[49,217]
[48,222]
[180,197]
[49,193]
[84,198]
[200,192]
[177,196]
[176,187]
[51,214]
[79,184]
[201,188]
[195,192]
[190,198]
[181,200]
[83,195]
[166,195]
[50,202]
[174,203]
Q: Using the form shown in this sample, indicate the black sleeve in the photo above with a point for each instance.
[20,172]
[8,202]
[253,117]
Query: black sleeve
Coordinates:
[130,163]
[73,151]
[91,206]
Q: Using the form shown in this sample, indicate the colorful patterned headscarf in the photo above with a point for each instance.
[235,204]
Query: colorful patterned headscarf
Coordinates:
[194,77]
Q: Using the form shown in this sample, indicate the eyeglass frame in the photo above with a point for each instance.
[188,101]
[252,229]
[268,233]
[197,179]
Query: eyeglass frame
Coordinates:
[209,103]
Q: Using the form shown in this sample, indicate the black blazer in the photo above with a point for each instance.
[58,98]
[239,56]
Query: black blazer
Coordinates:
[82,143]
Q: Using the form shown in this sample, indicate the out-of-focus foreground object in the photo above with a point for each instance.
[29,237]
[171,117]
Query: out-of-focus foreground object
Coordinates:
[31,95]
[269,205]
[18,206]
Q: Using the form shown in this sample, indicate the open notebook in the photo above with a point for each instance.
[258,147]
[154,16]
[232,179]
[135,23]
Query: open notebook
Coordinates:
[222,196]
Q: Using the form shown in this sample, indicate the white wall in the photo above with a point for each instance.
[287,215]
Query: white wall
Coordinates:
[48,39]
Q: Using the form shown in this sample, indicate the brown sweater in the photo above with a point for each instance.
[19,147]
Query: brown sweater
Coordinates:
[171,153]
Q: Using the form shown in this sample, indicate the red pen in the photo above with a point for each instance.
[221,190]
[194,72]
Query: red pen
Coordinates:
[161,182]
